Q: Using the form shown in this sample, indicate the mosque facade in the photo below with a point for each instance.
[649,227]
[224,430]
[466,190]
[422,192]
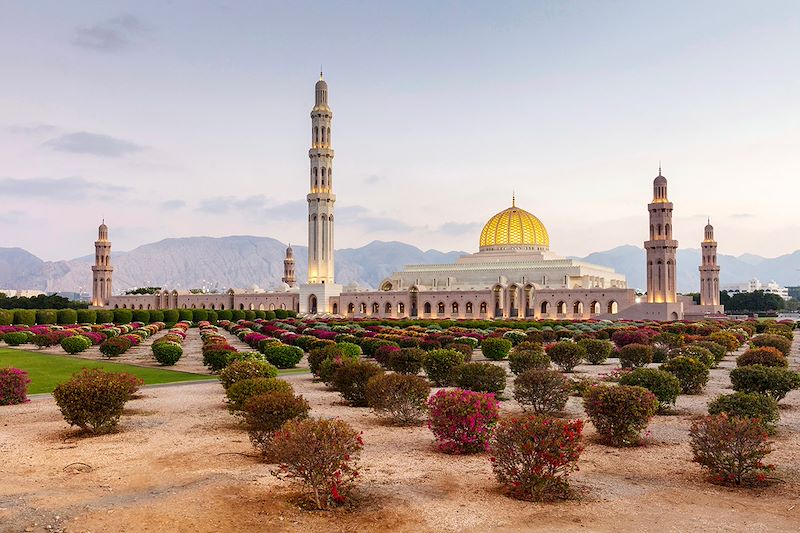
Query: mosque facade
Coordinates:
[514,274]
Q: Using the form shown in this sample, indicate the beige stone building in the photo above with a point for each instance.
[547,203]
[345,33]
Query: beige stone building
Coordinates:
[514,274]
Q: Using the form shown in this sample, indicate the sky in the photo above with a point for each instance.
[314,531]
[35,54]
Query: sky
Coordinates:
[185,118]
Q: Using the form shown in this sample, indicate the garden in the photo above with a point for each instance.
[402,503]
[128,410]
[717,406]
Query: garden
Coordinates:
[416,425]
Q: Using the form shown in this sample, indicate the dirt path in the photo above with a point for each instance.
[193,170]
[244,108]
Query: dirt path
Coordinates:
[182,463]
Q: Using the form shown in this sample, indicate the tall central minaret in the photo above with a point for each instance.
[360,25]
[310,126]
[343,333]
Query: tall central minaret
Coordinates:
[321,197]
[709,269]
[661,247]
[102,269]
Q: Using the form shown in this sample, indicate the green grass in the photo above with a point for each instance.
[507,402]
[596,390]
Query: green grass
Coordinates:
[47,370]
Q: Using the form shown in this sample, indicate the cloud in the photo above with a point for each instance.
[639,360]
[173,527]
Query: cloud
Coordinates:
[71,188]
[459,228]
[357,214]
[742,215]
[257,207]
[172,204]
[33,128]
[82,142]
[111,35]
[373,180]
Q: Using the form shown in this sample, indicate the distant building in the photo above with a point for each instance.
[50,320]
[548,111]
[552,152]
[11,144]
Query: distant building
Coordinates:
[754,285]
[21,293]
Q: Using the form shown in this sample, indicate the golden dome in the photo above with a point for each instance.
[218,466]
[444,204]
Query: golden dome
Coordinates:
[514,228]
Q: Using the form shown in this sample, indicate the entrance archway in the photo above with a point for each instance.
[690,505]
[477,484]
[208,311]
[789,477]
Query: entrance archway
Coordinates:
[312,304]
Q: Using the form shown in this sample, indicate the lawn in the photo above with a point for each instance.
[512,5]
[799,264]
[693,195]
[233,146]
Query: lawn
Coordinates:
[46,370]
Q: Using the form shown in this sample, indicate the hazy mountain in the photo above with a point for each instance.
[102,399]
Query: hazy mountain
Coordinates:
[243,261]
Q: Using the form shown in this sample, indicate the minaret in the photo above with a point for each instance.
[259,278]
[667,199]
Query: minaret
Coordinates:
[321,197]
[709,269]
[289,277]
[661,247]
[102,269]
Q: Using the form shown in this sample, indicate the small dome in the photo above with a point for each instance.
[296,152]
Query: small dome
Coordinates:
[514,229]
[660,180]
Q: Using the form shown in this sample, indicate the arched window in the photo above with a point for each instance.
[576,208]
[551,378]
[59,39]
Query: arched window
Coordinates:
[543,308]
[351,308]
[221,307]
[335,309]
[440,308]
[561,308]
[328,136]
[194,307]
[362,308]
[483,308]
[388,308]
[577,308]
[427,308]
[376,308]
[469,308]
[316,135]
[401,308]
[594,308]
[455,308]
[613,308]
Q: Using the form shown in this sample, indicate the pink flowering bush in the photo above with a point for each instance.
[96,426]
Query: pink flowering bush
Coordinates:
[462,421]
[13,386]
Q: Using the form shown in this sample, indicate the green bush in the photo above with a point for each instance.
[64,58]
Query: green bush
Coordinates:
[439,365]
[701,354]
[167,353]
[775,382]
[25,316]
[104,316]
[185,314]
[281,313]
[212,316]
[241,391]
[261,314]
[520,361]
[566,355]
[635,355]
[350,349]
[16,338]
[480,377]
[87,316]
[542,391]
[123,316]
[67,316]
[350,380]
[597,351]
[620,413]
[140,315]
[716,349]
[495,348]
[225,314]
[664,385]
[746,405]
[115,346]
[401,399]
[6,317]
[249,314]
[93,399]
[246,369]
[216,360]
[75,344]
[237,315]
[283,355]
[766,356]
[171,316]
[270,315]
[692,374]
[318,355]
[156,316]
[199,315]
[264,414]
[406,360]
[780,343]
[46,316]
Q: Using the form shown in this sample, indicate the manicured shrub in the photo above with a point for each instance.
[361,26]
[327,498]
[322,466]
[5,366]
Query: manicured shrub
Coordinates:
[167,353]
[351,378]
[247,369]
[87,316]
[782,344]
[115,346]
[67,316]
[635,355]
[747,405]
[349,349]
[725,338]
[439,366]
[542,391]
[238,393]
[480,377]
[521,360]
[171,316]
[515,336]
[322,454]
[46,316]
[398,398]
[13,386]
[566,355]
[495,348]
[45,340]
[104,316]
[371,346]
[464,349]
[692,374]
[532,456]
[93,399]
[264,414]
[406,360]
[775,382]
[318,355]
[25,316]
[716,349]
[16,338]
[462,421]
[766,356]
[283,355]
[6,317]
[216,360]
[620,413]
[75,344]
[731,449]
[664,385]
[141,315]
[199,315]
[597,351]
[698,352]
[382,354]
[122,316]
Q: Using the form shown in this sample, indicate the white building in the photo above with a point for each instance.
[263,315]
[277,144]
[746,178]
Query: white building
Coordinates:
[754,285]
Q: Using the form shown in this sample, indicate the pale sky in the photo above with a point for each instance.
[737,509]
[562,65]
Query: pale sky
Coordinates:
[188,118]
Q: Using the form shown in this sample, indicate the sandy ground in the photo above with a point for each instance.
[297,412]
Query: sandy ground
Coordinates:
[180,462]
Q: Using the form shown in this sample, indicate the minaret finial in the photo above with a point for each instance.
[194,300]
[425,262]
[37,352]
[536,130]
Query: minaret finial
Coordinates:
[513,198]
[320,71]
[659,167]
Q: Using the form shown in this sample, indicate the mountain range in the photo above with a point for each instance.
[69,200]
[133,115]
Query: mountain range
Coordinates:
[246,261]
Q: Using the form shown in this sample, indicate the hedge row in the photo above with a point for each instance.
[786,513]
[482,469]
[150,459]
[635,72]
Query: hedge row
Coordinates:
[32,317]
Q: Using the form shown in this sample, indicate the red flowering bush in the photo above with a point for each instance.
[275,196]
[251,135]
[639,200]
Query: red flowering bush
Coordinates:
[766,356]
[635,355]
[624,337]
[13,386]
[533,455]
[731,449]
[115,346]
[620,413]
[93,399]
[462,421]
[322,454]
[778,342]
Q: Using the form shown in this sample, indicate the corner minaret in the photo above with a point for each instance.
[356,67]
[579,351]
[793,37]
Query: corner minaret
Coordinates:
[102,269]
[316,294]
[709,269]
[289,277]
[661,247]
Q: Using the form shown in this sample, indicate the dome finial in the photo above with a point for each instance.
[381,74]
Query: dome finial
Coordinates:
[513,198]
[659,167]
[320,71]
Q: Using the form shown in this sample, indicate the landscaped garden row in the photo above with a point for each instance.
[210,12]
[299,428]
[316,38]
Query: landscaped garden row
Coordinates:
[167,350]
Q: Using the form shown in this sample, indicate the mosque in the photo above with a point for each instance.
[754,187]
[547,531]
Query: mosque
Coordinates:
[514,274]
